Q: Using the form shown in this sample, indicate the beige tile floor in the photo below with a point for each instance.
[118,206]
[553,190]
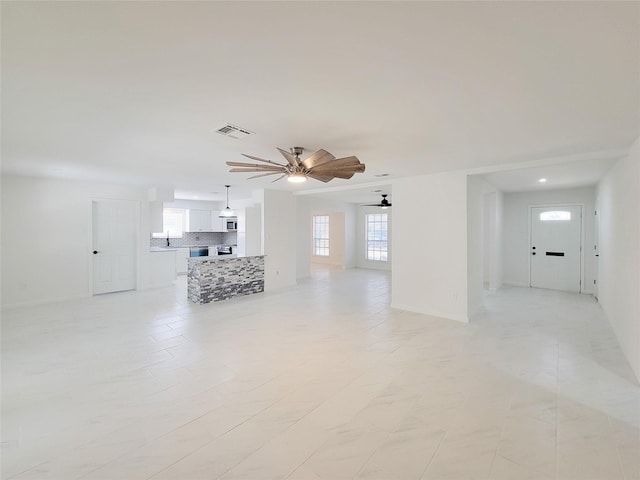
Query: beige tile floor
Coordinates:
[324,381]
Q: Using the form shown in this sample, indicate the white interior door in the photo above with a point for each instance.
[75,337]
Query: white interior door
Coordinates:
[555,247]
[114,246]
[596,252]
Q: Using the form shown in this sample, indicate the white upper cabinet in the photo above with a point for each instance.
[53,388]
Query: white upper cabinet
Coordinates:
[199,221]
[218,224]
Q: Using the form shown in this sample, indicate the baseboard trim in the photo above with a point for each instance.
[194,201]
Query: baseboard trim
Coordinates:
[45,301]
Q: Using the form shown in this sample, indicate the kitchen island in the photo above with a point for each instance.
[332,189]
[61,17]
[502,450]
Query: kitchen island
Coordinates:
[215,278]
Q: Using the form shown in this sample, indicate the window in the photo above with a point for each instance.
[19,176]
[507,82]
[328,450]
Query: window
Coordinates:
[555,216]
[321,235]
[173,221]
[377,236]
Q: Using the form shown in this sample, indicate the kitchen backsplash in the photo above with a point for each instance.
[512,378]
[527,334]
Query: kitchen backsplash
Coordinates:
[198,238]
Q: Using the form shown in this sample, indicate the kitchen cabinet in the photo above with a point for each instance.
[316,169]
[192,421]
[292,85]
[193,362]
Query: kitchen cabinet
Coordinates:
[162,268]
[182,259]
[218,224]
[199,221]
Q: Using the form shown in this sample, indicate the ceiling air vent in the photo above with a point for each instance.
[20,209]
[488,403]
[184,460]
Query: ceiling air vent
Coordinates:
[233,131]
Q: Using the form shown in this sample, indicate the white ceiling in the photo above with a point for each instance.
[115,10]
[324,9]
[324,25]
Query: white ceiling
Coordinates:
[132,92]
[556,175]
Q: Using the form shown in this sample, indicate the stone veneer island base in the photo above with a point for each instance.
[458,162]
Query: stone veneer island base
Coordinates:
[211,279]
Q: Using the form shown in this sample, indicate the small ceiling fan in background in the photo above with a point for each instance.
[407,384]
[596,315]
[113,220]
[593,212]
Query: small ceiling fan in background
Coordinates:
[383,204]
[320,166]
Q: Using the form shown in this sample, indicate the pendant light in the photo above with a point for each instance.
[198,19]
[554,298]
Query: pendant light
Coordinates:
[227,212]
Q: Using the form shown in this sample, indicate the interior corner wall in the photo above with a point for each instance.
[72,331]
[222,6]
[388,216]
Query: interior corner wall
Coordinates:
[46,233]
[516,232]
[429,232]
[279,228]
[475,244]
[361,240]
[618,207]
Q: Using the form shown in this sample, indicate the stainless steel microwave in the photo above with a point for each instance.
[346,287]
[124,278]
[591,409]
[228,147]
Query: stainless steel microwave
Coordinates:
[232,225]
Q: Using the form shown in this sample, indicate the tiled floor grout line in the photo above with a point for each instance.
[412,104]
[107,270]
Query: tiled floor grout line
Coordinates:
[396,360]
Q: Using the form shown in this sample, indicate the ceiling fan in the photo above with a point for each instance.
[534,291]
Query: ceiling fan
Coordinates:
[384,203]
[320,166]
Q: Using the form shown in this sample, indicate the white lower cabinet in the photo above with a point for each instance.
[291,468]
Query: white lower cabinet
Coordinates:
[182,260]
[162,269]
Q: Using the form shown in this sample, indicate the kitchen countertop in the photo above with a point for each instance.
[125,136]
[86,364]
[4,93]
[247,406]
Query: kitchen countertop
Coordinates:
[163,249]
[205,245]
[222,257]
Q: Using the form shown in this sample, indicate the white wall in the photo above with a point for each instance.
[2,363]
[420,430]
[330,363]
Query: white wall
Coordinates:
[618,206]
[496,241]
[279,228]
[429,232]
[516,230]
[361,239]
[253,230]
[46,251]
[350,231]
[342,232]
[492,237]
[475,243]
[488,207]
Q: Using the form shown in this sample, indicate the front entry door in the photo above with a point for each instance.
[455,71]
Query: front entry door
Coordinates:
[114,246]
[555,247]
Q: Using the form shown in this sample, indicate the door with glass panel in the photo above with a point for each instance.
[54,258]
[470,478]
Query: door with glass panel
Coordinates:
[555,247]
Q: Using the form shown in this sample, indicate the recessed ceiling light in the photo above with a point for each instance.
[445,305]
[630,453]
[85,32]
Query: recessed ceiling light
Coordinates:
[542,180]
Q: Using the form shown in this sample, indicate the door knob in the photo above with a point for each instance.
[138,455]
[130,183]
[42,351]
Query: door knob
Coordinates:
[95,252]
[533,253]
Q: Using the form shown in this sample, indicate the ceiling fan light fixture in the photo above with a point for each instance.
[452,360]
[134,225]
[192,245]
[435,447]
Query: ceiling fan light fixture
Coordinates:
[320,166]
[297,177]
[227,212]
